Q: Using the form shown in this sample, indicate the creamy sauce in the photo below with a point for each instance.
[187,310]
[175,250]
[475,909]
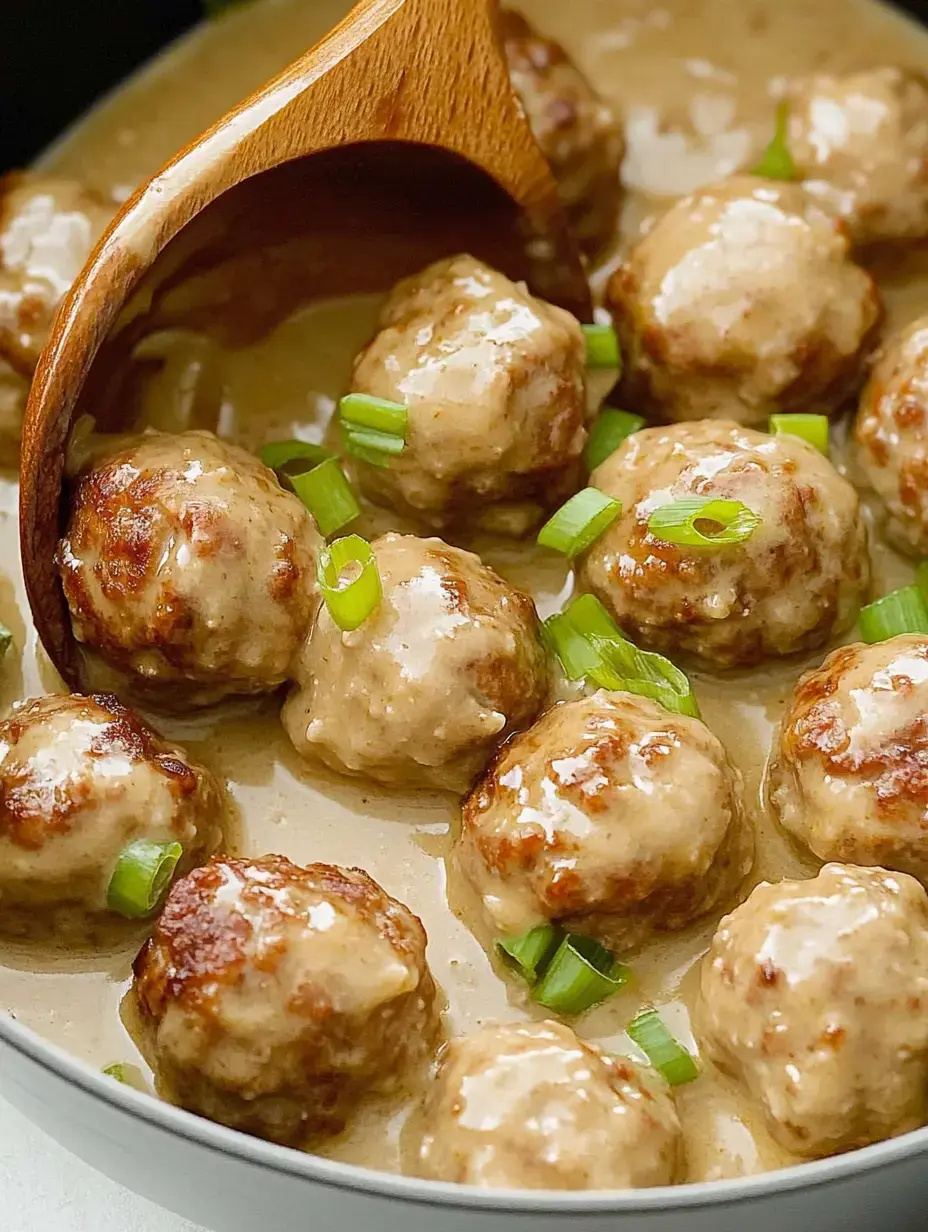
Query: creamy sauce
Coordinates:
[695,79]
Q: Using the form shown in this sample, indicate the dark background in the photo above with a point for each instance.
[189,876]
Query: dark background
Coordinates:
[57,56]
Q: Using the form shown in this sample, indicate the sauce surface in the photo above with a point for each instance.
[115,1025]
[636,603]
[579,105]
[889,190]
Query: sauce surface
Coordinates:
[694,79]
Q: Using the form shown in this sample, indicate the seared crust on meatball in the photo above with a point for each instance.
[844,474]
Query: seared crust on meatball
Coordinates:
[80,779]
[189,568]
[860,144]
[48,228]
[579,133]
[813,997]
[849,773]
[529,1105]
[494,384]
[271,998]
[740,301]
[447,666]
[891,433]
[794,583]
[610,815]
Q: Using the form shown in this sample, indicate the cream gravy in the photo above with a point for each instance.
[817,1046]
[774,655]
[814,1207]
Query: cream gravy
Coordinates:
[694,79]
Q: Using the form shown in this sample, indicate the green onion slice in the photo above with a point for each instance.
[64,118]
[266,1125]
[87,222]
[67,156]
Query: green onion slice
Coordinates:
[350,581]
[602,347]
[812,428]
[579,523]
[627,669]
[119,1072]
[901,611]
[141,877]
[589,644]
[777,163]
[610,429]
[581,974]
[921,578]
[280,454]
[531,952]
[327,495]
[662,1050]
[366,413]
[703,522]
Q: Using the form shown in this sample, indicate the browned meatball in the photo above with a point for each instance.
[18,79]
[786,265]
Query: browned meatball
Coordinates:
[849,773]
[271,998]
[579,133]
[790,586]
[494,385]
[860,143]
[611,815]
[892,435]
[189,568]
[813,997]
[740,301]
[48,228]
[528,1105]
[81,778]
[450,663]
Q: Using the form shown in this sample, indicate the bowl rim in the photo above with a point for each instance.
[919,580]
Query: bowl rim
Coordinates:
[302,1165]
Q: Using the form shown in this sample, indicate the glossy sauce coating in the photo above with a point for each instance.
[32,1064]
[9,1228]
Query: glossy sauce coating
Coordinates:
[695,82]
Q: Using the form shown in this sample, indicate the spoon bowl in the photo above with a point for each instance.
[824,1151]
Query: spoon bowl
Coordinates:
[394,141]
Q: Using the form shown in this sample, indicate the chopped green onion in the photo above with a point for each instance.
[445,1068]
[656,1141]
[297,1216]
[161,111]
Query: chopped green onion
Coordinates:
[678,522]
[608,432]
[581,974]
[589,644]
[349,600]
[602,347]
[364,412]
[921,578]
[130,1075]
[812,428]
[373,429]
[531,952]
[579,523]
[777,163]
[278,454]
[662,1050]
[142,874]
[327,495]
[6,639]
[627,669]
[901,611]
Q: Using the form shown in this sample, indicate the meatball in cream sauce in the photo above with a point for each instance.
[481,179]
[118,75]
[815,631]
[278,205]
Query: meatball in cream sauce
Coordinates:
[271,997]
[812,997]
[188,568]
[81,778]
[610,815]
[795,582]
[740,301]
[532,1106]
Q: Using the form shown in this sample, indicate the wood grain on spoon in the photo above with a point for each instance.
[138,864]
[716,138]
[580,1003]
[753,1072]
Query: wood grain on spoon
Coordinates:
[419,149]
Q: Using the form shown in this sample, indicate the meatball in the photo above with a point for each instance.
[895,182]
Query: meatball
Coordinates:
[81,778]
[531,1106]
[741,301]
[48,228]
[611,815]
[494,385]
[271,998]
[849,769]
[579,133]
[790,586]
[188,568]
[891,434]
[813,997]
[449,664]
[860,144]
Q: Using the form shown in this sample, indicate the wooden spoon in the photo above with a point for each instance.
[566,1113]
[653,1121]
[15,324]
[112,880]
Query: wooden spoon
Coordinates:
[394,141]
